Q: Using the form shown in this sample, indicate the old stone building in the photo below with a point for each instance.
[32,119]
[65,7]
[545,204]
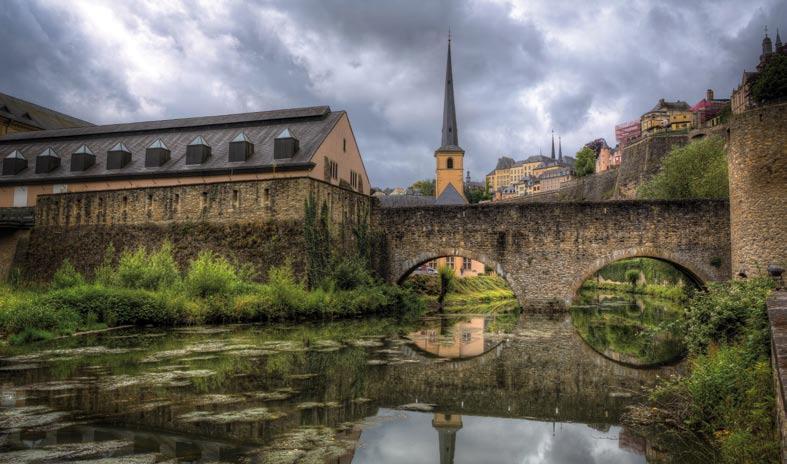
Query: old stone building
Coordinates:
[17,115]
[741,97]
[667,116]
[305,142]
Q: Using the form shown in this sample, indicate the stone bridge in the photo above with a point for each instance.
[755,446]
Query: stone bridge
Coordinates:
[545,251]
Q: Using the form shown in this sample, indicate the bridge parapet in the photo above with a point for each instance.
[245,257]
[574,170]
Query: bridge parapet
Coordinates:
[546,250]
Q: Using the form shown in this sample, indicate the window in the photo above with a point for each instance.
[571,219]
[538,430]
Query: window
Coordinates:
[449,163]
[466,264]
[235,199]
[331,169]
[449,261]
[176,204]
[355,180]
[344,145]
[20,196]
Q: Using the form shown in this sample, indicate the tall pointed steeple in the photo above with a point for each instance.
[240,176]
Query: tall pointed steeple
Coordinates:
[559,149]
[450,133]
[553,144]
[778,40]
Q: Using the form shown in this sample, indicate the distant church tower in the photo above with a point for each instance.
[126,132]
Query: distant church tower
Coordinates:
[449,158]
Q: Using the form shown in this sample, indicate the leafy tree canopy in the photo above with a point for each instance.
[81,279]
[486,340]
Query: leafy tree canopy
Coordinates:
[697,170]
[586,162]
[425,186]
[771,84]
[477,194]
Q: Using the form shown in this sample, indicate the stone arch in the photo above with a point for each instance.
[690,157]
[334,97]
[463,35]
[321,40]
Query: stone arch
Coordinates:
[693,272]
[406,267]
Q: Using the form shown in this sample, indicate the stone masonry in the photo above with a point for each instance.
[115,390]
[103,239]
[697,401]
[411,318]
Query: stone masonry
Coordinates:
[757,157]
[545,251]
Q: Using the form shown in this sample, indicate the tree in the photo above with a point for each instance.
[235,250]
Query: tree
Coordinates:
[475,194]
[697,170]
[771,83]
[632,277]
[425,186]
[446,276]
[586,162]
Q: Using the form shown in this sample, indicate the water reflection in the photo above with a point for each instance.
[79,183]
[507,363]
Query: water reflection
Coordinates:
[631,329]
[467,389]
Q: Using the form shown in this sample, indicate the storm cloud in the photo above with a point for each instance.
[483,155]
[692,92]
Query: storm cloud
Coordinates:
[521,68]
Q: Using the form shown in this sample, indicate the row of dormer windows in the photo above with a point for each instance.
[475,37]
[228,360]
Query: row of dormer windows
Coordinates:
[285,146]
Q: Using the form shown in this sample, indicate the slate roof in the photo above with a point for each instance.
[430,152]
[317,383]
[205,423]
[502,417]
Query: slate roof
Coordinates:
[30,114]
[309,125]
[504,162]
[450,197]
[664,105]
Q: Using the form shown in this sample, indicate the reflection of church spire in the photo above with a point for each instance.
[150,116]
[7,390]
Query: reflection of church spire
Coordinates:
[447,425]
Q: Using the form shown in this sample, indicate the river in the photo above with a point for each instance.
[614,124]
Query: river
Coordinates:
[461,389]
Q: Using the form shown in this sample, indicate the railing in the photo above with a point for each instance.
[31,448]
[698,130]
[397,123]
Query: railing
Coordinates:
[17,218]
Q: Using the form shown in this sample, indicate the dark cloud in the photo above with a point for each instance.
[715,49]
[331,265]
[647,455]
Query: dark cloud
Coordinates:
[521,68]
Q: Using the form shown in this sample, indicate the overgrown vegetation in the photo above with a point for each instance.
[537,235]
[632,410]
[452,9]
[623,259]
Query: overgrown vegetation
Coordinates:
[726,401]
[697,170]
[148,287]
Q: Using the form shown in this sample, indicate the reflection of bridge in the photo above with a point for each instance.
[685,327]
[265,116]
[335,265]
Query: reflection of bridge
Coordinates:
[546,251]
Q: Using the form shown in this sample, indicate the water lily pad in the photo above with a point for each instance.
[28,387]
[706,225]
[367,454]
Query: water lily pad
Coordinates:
[419,407]
[243,415]
[317,404]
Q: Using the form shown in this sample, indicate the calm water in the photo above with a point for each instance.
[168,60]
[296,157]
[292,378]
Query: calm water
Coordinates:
[466,389]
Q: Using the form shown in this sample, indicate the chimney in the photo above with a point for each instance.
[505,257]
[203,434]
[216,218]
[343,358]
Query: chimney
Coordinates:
[709,95]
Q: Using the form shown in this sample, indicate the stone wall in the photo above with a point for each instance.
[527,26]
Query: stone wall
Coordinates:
[777,314]
[598,187]
[546,250]
[259,222]
[757,157]
[642,160]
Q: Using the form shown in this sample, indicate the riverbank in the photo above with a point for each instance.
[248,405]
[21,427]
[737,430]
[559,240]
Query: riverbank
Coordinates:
[479,294]
[671,292]
[147,288]
[723,409]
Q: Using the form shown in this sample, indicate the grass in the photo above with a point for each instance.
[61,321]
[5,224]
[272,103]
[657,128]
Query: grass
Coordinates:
[479,294]
[148,288]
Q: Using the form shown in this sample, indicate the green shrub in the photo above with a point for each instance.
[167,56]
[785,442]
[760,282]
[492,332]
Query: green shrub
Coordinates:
[140,269]
[697,170]
[38,314]
[66,276]
[210,274]
[351,273]
[30,335]
[727,400]
[729,312]
[632,277]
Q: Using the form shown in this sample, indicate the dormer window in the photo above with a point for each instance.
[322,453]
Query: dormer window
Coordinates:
[285,145]
[118,156]
[241,148]
[47,161]
[82,159]
[14,163]
[198,151]
[156,154]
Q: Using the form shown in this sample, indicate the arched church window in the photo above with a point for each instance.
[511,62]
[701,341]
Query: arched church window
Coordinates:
[449,163]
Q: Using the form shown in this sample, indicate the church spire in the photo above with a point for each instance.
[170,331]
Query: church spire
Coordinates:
[553,144]
[778,40]
[450,134]
[559,149]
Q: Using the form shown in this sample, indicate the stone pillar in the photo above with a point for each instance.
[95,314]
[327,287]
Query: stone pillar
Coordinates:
[757,160]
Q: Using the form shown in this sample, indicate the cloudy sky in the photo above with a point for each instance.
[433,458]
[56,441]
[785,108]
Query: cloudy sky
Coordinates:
[521,67]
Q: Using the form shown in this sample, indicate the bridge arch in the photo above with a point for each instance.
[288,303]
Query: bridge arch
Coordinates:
[695,273]
[403,270]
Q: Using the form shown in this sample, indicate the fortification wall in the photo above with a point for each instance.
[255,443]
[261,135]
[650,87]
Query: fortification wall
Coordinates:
[757,157]
[257,222]
[641,161]
[597,187]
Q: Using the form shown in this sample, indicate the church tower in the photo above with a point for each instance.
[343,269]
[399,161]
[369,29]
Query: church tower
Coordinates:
[449,158]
